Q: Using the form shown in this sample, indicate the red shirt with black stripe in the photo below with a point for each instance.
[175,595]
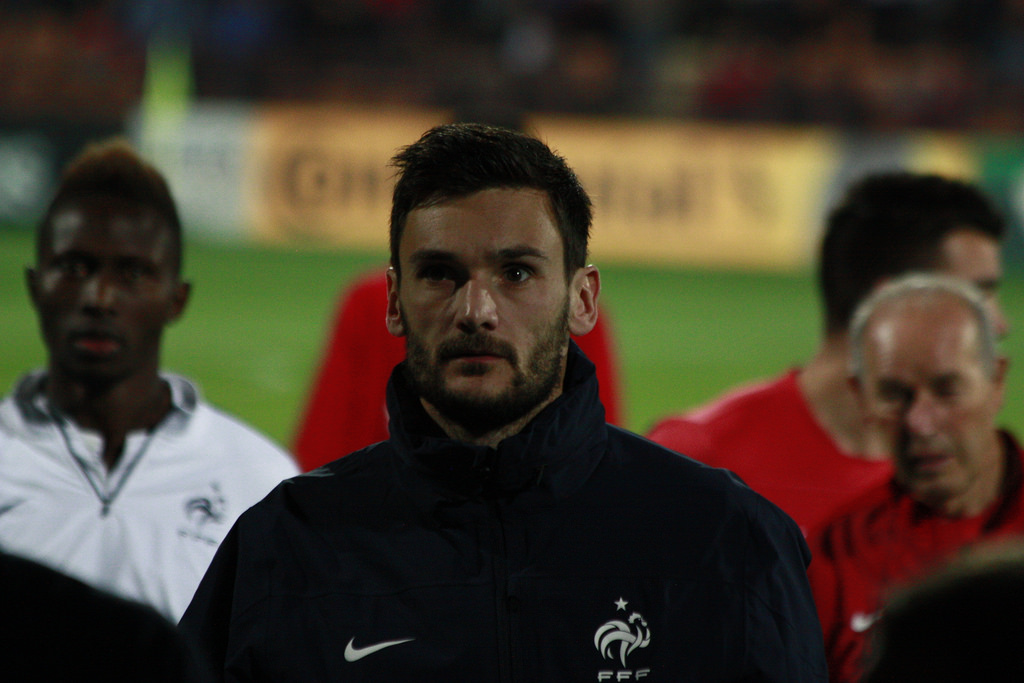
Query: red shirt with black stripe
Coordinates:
[885,539]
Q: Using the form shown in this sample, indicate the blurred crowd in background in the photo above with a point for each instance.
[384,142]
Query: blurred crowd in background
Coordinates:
[863,64]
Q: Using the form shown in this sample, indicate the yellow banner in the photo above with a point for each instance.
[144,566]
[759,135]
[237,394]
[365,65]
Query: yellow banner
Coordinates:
[697,194]
[664,191]
[319,174]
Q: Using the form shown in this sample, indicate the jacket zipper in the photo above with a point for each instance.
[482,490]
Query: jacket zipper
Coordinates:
[106,494]
[502,597]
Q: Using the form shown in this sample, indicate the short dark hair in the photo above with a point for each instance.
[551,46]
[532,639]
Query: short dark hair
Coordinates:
[112,168]
[890,223]
[457,160]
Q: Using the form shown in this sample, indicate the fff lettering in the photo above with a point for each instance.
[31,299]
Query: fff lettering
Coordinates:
[624,675]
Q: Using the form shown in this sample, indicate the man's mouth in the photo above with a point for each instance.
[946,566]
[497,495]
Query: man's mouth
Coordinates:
[97,343]
[929,462]
[478,357]
[477,351]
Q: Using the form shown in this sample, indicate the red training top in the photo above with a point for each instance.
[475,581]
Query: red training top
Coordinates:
[883,539]
[767,435]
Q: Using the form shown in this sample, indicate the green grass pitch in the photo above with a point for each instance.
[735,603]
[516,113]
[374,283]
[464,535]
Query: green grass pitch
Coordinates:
[253,332]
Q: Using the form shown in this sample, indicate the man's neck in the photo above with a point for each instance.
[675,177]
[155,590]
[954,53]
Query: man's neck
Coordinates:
[825,386]
[492,438]
[112,409]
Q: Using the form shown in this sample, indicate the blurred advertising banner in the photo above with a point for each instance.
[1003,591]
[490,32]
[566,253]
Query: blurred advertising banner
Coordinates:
[697,194]
[720,195]
[287,174]
[672,192]
[31,159]
[321,175]
[29,165]
[1001,160]
[205,153]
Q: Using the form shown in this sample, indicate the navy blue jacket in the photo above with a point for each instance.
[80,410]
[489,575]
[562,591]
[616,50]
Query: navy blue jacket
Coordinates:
[575,551]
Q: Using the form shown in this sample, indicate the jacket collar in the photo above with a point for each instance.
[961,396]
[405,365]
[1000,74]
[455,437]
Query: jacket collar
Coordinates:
[35,408]
[554,453]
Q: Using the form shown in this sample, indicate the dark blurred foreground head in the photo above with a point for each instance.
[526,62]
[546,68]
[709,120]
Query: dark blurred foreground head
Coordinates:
[965,622]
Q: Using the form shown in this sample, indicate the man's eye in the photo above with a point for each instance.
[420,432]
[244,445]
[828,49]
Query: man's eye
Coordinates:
[517,274]
[134,271]
[948,390]
[73,267]
[435,273]
[894,396]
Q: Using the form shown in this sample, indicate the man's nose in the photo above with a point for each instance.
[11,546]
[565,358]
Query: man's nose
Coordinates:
[999,321]
[475,306]
[99,291]
[923,415]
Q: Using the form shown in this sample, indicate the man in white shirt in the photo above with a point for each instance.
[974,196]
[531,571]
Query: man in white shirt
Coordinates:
[111,471]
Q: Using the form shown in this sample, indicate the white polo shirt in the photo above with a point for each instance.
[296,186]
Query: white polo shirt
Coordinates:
[148,528]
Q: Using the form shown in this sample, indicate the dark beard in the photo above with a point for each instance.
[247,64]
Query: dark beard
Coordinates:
[532,384]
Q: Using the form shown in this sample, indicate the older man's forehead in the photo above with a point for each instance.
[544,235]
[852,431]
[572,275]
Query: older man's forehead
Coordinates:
[930,329]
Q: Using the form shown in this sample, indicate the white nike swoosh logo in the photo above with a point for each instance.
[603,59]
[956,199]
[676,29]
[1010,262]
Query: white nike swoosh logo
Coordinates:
[354,654]
[861,622]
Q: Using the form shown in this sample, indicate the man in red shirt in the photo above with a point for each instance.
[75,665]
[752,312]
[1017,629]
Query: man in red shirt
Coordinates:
[797,439]
[346,408]
[930,385]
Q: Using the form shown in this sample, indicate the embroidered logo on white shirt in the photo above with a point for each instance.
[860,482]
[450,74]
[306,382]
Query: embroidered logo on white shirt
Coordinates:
[203,510]
[354,654]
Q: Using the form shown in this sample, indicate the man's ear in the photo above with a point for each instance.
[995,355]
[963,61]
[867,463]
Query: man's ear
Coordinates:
[1002,367]
[393,319]
[583,292]
[179,300]
[32,283]
[858,389]
[853,381]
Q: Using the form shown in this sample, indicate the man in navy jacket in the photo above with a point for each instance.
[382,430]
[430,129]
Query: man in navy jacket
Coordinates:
[504,531]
